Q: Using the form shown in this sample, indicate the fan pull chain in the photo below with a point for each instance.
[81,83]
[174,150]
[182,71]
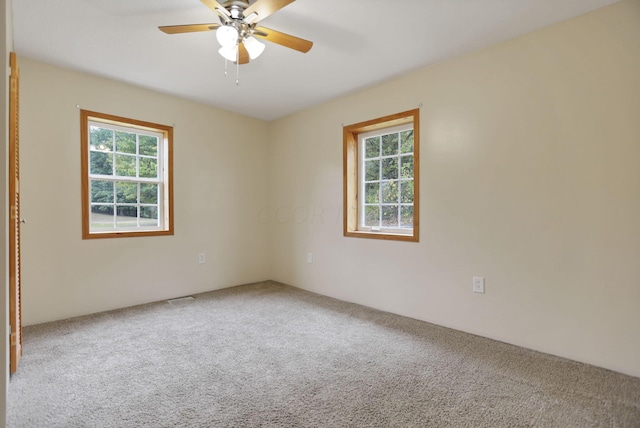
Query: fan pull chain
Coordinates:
[225,68]
[238,68]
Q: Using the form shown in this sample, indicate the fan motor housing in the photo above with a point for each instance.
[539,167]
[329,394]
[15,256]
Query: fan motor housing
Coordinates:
[236,8]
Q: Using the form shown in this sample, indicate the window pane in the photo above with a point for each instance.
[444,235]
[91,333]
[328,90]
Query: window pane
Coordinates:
[101,139]
[101,163]
[406,219]
[149,216]
[148,193]
[127,193]
[372,169]
[101,191]
[101,217]
[372,149]
[390,216]
[125,165]
[389,168]
[406,141]
[406,166]
[148,168]
[372,193]
[389,192]
[148,145]
[125,142]
[372,216]
[406,192]
[390,144]
[127,217]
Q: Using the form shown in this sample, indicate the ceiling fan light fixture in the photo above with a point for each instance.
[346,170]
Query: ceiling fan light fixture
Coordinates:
[237,31]
[230,53]
[254,47]
[227,36]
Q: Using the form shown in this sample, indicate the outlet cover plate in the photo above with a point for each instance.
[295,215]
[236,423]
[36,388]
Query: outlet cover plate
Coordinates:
[478,284]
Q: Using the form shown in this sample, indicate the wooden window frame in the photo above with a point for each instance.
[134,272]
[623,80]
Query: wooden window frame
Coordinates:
[166,172]
[351,185]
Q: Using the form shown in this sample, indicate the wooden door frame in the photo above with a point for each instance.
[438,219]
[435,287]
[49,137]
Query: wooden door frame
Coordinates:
[15,295]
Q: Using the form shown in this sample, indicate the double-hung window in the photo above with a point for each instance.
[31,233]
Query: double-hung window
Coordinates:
[126,177]
[381,177]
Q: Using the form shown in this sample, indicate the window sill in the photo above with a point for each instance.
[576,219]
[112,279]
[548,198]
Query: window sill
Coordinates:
[382,235]
[132,234]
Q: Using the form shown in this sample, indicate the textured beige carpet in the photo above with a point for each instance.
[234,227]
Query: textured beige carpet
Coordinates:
[269,355]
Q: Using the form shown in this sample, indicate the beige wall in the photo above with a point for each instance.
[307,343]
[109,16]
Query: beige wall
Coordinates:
[220,178]
[530,178]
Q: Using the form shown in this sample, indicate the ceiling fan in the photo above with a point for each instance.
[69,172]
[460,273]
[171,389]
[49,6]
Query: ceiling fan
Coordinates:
[239,28]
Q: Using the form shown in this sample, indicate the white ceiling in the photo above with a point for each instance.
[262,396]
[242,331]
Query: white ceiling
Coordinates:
[357,43]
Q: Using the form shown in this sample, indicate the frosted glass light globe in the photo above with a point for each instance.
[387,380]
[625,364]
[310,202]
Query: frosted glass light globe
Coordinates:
[230,53]
[227,36]
[254,47]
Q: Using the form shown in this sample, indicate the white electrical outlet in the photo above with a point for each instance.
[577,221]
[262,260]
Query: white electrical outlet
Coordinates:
[478,284]
[309,257]
[202,258]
